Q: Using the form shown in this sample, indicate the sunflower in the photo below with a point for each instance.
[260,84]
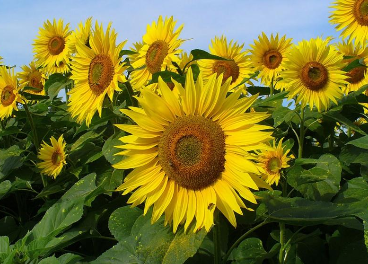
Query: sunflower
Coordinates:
[81,34]
[357,77]
[52,44]
[32,77]
[190,156]
[313,71]
[160,44]
[59,67]
[267,56]
[8,92]
[272,160]
[351,16]
[96,72]
[237,66]
[53,157]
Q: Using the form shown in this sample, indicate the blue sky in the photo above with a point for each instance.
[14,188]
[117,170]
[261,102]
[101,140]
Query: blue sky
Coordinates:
[241,20]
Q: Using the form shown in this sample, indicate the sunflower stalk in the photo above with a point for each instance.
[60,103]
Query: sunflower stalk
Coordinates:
[282,225]
[217,238]
[31,123]
[302,133]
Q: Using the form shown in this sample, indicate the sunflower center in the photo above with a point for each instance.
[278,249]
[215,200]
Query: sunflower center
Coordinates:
[274,165]
[56,157]
[272,59]
[56,45]
[35,82]
[155,55]
[7,95]
[314,75]
[192,152]
[227,68]
[100,73]
[356,74]
[360,11]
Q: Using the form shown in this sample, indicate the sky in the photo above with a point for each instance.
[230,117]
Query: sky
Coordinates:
[241,20]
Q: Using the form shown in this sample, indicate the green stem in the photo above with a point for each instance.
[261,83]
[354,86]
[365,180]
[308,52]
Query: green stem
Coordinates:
[33,127]
[272,88]
[282,225]
[130,93]
[217,238]
[240,239]
[301,136]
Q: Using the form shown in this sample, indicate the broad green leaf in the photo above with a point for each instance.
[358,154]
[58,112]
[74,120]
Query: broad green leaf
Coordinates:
[336,115]
[166,77]
[63,259]
[319,183]
[148,243]
[10,159]
[250,251]
[55,83]
[360,142]
[265,102]
[29,96]
[109,149]
[10,131]
[87,137]
[4,188]
[354,64]
[4,247]
[199,54]
[126,52]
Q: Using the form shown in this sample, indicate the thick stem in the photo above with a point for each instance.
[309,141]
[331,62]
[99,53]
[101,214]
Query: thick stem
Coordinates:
[272,88]
[301,136]
[240,239]
[33,127]
[282,225]
[217,238]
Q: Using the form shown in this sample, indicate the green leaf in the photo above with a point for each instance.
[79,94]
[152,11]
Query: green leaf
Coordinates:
[55,83]
[360,142]
[10,131]
[126,52]
[4,188]
[250,251]
[109,149]
[319,183]
[85,138]
[4,247]
[148,243]
[10,159]
[29,96]
[166,77]
[342,119]
[272,98]
[355,64]
[63,259]
[199,54]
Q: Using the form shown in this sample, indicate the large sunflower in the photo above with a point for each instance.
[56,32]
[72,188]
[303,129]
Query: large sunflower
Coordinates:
[190,155]
[32,77]
[237,66]
[161,43]
[273,160]
[267,56]
[313,71]
[351,16]
[52,44]
[81,34]
[53,157]
[8,92]
[96,72]
[357,77]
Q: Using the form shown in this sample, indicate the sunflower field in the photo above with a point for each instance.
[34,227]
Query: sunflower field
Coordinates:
[245,153]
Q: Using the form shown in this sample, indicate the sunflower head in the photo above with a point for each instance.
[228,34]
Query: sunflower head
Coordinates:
[9,96]
[52,44]
[273,160]
[81,34]
[189,153]
[235,68]
[59,67]
[160,44]
[351,16]
[356,77]
[53,157]
[313,71]
[96,72]
[32,77]
[267,56]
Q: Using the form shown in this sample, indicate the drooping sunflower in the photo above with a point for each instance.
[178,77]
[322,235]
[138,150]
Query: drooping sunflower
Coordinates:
[9,92]
[351,16]
[273,160]
[32,77]
[81,34]
[237,66]
[313,71]
[96,72]
[161,43]
[53,157]
[52,45]
[267,56]
[357,77]
[190,155]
